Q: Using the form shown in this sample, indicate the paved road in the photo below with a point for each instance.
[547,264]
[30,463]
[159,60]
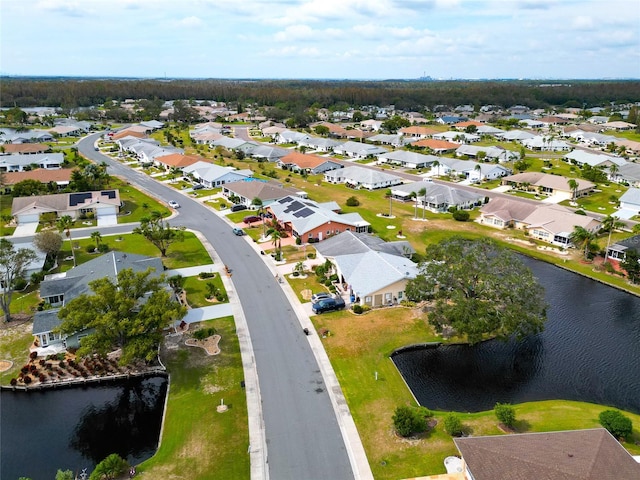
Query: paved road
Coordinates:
[303,437]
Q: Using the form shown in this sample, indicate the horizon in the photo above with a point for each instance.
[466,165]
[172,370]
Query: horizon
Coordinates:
[358,40]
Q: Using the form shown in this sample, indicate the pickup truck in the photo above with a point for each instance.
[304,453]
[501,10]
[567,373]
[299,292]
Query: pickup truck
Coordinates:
[328,305]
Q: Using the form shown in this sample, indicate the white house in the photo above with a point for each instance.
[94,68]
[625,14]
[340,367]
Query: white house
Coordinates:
[362,177]
[211,175]
[358,150]
[18,162]
[408,159]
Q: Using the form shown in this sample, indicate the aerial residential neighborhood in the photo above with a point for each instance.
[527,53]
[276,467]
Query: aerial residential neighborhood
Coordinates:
[325,226]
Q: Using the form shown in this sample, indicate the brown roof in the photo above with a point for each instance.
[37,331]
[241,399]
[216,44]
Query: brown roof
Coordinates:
[415,130]
[434,144]
[179,160]
[467,124]
[42,175]
[128,133]
[508,209]
[540,179]
[574,455]
[25,147]
[303,160]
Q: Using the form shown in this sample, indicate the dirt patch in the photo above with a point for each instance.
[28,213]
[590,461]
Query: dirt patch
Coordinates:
[5,365]
[209,344]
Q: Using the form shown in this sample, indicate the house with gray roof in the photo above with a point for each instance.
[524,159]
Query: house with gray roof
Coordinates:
[212,176]
[457,137]
[627,173]
[362,177]
[618,250]
[546,144]
[373,272]
[395,140]
[592,454]
[592,138]
[228,143]
[469,170]
[313,222]
[358,150]
[291,136]
[59,289]
[408,159]
[515,135]
[437,198]
[582,157]
[260,151]
[267,191]
[28,136]
[319,144]
[629,204]
[17,162]
[494,153]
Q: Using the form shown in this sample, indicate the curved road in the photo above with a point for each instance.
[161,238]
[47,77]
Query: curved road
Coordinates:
[302,434]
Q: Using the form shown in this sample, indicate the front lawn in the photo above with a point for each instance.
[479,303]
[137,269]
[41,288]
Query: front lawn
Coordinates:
[197,441]
[197,290]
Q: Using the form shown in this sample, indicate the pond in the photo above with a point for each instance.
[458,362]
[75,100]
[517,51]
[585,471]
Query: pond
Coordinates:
[589,351]
[75,428]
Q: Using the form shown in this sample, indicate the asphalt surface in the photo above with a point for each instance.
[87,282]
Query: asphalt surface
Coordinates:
[303,437]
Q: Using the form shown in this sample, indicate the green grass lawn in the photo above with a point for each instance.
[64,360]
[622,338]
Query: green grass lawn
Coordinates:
[197,441]
[197,290]
[359,346]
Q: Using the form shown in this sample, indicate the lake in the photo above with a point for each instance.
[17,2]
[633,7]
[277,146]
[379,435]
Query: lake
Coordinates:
[75,428]
[589,351]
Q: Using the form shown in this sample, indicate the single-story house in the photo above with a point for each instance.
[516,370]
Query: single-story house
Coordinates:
[408,159]
[66,131]
[547,184]
[618,250]
[362,177]
[515,135]
[228,143]
[488,130]
[212,176]
[59,289]
[450,119]
[371,125]
[548,144]
[456,137]
[262,152]
[60,177]
[549,223]
[628,173]
[496,153]
[373,272]
[436,146]
[582,157]
[592,454]
[27,136]
[18,162]
[290,136]
[358,150]
[618,126]
[248,190]
[468,123]
[437,197]
[469,170]
[176,160]
[395,140]
[417,132]
[102,203]
[23,148]
[592,138]
[319,144]
[629,204]
[314,164]
[313,222]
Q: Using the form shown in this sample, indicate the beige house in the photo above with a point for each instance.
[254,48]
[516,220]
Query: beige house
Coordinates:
[547,184]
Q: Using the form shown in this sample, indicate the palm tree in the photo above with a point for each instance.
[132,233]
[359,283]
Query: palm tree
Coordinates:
[613,169]
[609,224]
[274,229]
[573,185]
[436,164]
[96,237]
[389,195]
[64,224]
[582,238]
[422,193]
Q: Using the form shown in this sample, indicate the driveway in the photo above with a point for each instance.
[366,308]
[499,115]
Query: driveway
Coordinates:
[26,229]
[557,197]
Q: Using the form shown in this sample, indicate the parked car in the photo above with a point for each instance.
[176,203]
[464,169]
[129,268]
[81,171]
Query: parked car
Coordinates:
[251,219]
[319,296]
[198,186]
[174,204]
[328,305]
[238,207]
[238,231]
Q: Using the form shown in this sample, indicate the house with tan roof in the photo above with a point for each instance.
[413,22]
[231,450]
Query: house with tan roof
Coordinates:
[436,146]
[335,130]
[60,177]
[468,123]
[24,148]
[591,454]
[547,184]
[176,160]
[549,223]
[618,126]
[268,192]
[417,132]
[314,164]
[127,133]
[99,203]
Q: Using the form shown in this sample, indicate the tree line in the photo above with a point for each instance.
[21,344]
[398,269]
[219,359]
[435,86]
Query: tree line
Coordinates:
[71,93]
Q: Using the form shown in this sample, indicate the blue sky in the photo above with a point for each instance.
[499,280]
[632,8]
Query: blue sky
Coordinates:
[337,39]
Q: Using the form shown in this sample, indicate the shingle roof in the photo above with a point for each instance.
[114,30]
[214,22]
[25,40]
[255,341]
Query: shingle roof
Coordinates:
[574,455]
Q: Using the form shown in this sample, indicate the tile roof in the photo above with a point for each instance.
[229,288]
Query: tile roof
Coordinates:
[42,175]
[25,148]
[303,160]
[434,144]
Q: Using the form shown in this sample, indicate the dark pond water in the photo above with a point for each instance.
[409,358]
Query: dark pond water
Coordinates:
[75,428]
[589,351]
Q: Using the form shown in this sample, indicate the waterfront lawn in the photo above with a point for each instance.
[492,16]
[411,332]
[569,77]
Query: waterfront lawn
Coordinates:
[197,441]
[359,346]
[15,339]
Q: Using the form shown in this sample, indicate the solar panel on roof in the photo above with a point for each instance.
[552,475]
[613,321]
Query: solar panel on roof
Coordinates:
[304,213]
[77,198]
[109,194]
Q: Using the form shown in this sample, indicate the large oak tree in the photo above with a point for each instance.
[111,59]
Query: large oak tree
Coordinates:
[129,314]
[480,290]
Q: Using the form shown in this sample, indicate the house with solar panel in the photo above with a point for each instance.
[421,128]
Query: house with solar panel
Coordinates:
[313,222]
[101,205]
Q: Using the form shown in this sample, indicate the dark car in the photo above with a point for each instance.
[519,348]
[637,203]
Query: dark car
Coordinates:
[238,207]
[328,305]
[198,186]
[251,219]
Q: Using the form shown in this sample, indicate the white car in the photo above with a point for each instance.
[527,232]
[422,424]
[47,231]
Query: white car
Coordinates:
[174,204]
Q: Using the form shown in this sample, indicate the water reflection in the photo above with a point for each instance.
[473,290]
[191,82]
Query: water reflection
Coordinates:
[589,351]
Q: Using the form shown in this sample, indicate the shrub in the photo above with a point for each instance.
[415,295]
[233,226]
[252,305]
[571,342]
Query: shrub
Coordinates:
[33,355]
[334,278]
[296,274]
[352,202]
[461,215]
[203,333]
[27,379]
[619,425]
[103,248]
[111,467]
[357,309]
[407,420]
[206,275]
[298,241]
[90,248]
[453,425]
[14,382]
[505,414]
[19,283]
[311,255]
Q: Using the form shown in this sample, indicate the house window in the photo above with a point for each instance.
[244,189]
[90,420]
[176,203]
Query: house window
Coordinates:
[400,295]
[52,336]
[367,300]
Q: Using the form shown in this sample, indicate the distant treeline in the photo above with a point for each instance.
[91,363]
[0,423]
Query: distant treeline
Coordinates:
[69,93]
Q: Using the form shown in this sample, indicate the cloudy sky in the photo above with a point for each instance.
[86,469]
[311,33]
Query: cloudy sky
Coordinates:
[337,39]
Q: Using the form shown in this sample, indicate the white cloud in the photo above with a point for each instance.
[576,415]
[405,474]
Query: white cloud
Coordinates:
[191,22]
[582,23]
[293,33]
